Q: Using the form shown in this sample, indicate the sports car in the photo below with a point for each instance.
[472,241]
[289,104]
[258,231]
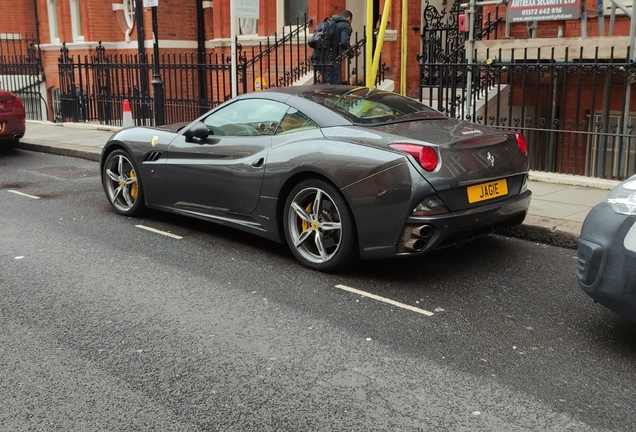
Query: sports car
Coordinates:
[607,251]
[337,172]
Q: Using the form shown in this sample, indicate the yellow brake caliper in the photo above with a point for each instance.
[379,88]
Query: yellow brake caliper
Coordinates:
[305,223]
[133,188]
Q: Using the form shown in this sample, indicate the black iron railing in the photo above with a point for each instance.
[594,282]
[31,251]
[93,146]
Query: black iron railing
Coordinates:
[267,65]
[22,73]
[351,63]
[578,115]
[93,88]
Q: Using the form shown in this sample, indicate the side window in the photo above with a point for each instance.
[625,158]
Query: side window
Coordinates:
[295,121]
[254,117]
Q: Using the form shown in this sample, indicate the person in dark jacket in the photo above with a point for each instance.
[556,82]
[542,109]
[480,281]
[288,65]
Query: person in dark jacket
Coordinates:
[324,59]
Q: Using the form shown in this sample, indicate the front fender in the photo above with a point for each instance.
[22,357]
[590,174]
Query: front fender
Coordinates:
[149,159]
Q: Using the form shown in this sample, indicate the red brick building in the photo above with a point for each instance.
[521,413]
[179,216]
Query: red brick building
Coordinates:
[184,26]
[82,23]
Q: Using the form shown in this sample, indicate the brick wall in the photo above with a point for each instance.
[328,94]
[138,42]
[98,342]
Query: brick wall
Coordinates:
[17,17]
[177,22]
[99,21]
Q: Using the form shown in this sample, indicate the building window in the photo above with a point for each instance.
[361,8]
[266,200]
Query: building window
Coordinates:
[129,12]
[76,21]
[51,6]
[292,11]
[247,26]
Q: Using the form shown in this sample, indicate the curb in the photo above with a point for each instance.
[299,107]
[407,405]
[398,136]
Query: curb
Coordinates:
[84,126]
[42,146]
[543,235]
[572,180]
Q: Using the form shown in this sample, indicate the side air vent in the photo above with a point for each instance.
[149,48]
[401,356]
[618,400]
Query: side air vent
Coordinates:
[152,157]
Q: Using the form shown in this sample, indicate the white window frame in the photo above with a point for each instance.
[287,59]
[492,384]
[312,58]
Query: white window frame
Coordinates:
[129,12]
[76,20]
[54,29]
[280,14]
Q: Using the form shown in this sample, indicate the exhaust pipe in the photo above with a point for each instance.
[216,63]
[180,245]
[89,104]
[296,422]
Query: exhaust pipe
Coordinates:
[415,244]
[424,231]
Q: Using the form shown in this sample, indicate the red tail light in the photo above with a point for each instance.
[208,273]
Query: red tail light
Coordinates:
[521,141]
[425,155]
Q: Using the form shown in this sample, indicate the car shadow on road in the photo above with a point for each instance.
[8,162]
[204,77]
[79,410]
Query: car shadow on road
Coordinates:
[206,228]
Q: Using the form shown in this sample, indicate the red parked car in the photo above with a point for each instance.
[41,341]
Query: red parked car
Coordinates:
[12,119]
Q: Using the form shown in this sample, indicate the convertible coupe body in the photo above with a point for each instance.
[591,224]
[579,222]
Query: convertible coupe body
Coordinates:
[337,172]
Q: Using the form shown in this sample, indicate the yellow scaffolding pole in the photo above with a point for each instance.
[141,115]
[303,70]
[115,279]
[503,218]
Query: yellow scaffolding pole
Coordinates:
[368,77]
[405,48]
[378,49]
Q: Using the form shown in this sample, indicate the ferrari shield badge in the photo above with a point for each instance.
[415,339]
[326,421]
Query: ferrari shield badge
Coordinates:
[154,140]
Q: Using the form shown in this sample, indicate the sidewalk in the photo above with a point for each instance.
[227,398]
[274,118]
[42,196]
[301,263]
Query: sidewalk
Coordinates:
[559,202]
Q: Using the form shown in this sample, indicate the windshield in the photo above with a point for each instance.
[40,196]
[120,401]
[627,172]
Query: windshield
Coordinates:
[373,107]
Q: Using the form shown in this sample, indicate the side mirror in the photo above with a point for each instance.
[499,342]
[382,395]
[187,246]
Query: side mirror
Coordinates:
[196,132]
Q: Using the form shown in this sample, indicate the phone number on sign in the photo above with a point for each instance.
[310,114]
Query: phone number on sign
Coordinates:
[545,11]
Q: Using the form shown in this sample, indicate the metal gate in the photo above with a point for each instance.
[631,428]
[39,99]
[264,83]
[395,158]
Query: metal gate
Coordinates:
[21,72]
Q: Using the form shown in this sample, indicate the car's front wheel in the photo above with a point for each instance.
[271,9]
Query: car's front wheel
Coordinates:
[122,184]
[318,226]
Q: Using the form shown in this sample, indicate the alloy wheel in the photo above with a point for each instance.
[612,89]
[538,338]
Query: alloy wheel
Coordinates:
[314,225]
[121,183]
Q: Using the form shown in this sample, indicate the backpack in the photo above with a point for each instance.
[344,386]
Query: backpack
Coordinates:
[322,35]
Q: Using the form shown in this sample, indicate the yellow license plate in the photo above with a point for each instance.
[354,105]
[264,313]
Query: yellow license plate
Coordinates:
[486,191]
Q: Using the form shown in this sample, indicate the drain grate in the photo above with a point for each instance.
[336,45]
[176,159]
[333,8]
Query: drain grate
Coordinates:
[67,172]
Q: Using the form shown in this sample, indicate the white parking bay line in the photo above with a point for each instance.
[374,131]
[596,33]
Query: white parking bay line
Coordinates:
[23,194]
[167,234]
[385,300]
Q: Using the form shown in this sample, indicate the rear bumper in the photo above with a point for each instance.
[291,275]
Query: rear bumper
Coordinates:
[12,127]
[456,228]
[606,267]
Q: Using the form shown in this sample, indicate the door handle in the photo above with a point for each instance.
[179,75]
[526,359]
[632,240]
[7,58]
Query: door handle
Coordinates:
[258,163]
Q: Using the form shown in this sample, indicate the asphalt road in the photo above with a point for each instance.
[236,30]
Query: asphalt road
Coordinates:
[106,326]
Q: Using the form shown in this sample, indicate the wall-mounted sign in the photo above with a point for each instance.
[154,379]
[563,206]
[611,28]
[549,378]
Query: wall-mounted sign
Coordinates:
[543,10]
[151,3]
[247,8]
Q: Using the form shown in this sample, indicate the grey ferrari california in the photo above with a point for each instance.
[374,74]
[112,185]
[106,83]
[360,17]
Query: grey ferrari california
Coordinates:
[337,172]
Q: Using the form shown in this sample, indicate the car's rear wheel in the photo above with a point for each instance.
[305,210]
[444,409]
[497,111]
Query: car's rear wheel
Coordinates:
[318,226]
[122,184]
